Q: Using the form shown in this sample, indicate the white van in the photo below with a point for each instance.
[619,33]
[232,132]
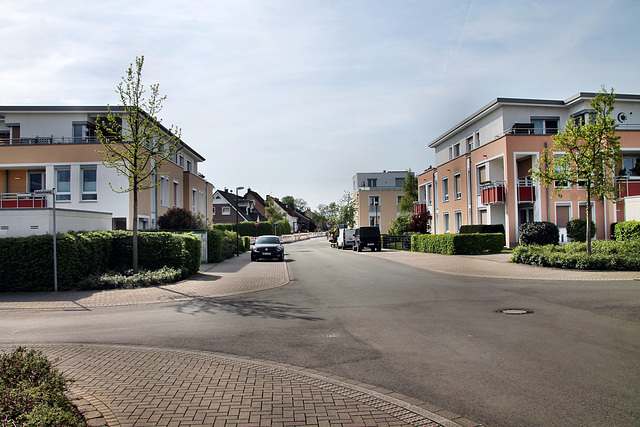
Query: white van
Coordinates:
[346,238]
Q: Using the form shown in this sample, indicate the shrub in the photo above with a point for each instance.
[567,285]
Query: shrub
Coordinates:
[538,233]
[421,223]
[577,230]
[627,230]
[400,225]
[128,280]
[179,219]
[458,244]
[32,392]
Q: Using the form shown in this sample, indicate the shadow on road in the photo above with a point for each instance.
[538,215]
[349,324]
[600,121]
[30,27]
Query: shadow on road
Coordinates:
[246,307]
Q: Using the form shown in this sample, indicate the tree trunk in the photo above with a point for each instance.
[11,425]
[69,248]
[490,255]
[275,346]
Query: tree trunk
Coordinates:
[588,218]
[135,229]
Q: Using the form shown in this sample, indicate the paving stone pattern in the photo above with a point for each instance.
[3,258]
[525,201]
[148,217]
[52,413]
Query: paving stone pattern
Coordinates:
[139,386]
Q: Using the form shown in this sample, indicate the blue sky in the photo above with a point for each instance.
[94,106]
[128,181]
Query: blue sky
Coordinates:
[293,97]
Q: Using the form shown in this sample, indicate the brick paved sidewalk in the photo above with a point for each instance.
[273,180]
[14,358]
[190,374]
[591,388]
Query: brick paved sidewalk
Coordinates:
[232,277]
[140,386]
[495,266]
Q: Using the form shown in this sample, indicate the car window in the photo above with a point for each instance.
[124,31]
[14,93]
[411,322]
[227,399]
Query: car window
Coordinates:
[267,240]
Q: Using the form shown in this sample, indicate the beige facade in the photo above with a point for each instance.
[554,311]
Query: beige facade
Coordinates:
[69,160]
[376,196]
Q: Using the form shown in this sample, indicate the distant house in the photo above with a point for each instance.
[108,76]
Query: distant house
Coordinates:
[226,204]
[56,147]
[299,221]
[376,196]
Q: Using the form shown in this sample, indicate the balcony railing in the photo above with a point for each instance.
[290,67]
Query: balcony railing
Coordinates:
[492,192]
[628,186]
[22,200]
[48,140]
[419,208]
[526,190]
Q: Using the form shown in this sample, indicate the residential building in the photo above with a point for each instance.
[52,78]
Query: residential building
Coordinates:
[298,221]
[482,173]
[56,147]
[226,204]
[376,196]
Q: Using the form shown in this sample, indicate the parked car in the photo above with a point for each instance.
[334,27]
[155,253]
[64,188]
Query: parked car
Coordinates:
[346,238]
[267,247]
[368,237]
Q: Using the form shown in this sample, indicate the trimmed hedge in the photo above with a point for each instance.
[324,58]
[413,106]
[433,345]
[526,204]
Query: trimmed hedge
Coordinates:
[539,233]
[482,228]
[577,230]
[28,261]
[627,230]
[248,228]
[458,244]
[606,255]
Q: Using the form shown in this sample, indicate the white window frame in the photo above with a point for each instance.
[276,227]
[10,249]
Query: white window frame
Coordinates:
[429,194]
[226,210]
[445,223]
[457,220]
[469,143]
[445,186]
[164,192]
[457,184]
[176,193]
[62,196]
[194,202]
[88,195]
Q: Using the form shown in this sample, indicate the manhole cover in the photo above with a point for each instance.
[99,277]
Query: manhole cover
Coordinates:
[514,311]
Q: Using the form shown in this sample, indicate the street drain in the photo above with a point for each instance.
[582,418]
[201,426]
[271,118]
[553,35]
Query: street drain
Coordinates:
[514,311]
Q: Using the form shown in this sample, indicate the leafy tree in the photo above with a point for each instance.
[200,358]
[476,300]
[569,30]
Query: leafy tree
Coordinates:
[179,219]
[400,225]
[135,143]
[591,154]
[410,188]
[347,210]
[421,223]
[295,203]
[273,212]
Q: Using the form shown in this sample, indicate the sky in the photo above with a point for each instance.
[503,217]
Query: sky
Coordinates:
[294,97]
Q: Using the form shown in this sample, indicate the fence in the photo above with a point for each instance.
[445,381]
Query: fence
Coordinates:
[402,242]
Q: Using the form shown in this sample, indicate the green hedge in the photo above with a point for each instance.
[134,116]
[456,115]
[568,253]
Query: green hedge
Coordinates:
[482,228]
[539,233]
[458,244]
[27,262]
[605,255]
[627,230]
[577,230]
[248,228]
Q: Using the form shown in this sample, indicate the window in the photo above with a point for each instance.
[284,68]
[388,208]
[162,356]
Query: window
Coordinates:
[181,160]
[189,166]
[202,206]
[226,210]
[36,181]
[372,182]
[457,188]
[374,200]
[429,189]
[477,138]
[445,222]
[457,219]
[78,133]
[164,191]
[469,144]
[445,189]
[545,125]
[176,194]
[214,210]
[194,200]
[456,150]
[399,182]
[559,184]
[563,215]
[89,183]
[482,216]
[63,184]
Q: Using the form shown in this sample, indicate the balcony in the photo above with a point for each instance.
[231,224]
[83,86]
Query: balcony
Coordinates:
[48,140]
[526,190]
[492,192]
[628,186]
[419,208]
[22,200]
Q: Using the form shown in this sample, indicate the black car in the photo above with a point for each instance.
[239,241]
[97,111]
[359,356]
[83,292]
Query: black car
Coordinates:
[267,247]
[368,237]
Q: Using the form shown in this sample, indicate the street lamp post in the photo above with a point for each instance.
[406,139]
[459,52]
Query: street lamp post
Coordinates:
[237,221]
[52,191]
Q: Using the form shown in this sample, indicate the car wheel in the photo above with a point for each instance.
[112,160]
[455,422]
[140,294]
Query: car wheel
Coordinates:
[282,258]
[253,258]
[359,248]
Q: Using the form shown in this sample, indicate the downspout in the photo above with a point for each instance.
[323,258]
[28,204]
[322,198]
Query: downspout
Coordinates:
[547,192]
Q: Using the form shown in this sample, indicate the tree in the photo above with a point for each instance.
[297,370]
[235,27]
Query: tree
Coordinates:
[400,225]
[179,219]
[273,212]
[294,203]
[421,223]
[410,188]
[134,142]
[347,210]
[591,155]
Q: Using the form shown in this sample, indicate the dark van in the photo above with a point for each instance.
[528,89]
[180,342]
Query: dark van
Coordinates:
[368,237]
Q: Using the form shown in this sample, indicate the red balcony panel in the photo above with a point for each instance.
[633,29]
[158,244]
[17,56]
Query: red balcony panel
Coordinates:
[491,195]
[627,189]
[419,208]
[526,194]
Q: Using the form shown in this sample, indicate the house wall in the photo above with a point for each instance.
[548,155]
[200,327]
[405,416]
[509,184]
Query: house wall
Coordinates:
[27,222]
[632,208]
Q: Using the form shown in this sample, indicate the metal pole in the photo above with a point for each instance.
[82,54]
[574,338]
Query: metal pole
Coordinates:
[237,222]
[55,246]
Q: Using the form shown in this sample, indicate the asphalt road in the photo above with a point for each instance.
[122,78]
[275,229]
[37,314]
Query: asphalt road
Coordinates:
[574,361]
